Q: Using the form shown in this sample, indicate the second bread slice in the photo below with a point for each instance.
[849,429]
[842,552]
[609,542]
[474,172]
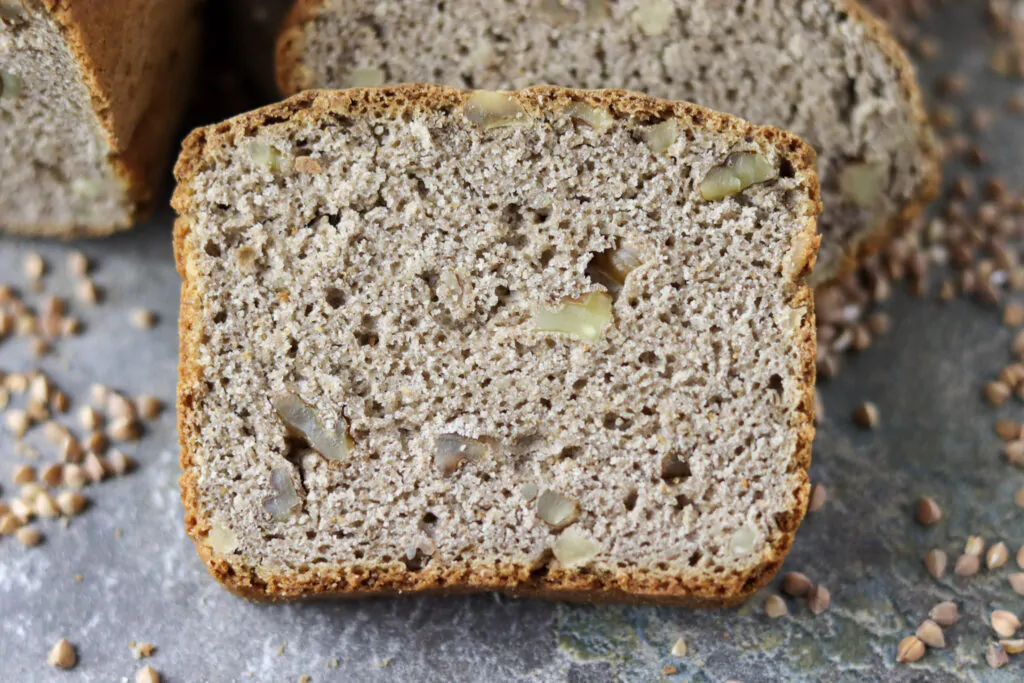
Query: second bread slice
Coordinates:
[555,342]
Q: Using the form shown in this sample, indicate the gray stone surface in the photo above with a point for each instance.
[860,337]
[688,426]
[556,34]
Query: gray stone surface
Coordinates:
[141,579]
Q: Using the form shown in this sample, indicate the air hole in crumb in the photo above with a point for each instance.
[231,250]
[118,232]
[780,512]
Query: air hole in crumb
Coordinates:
[416,563]
[311,535]
[672,468]
[579,384]
[545,404]
[775,384]
[648,358]
[786,169]
[358,554]
[366,338]
[212,249]
[220,316]
[335,297]
[546,256]
[682,501]
[616,422]
[429,518]
[630,500]
[695,558]
[569,452]
[648,411]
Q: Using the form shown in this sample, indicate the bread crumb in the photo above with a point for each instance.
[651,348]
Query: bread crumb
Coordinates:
[669,670]
[142,650]
[62,655]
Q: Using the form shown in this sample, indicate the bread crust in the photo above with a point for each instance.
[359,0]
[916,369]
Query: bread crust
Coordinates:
[882,233]
[204,145]
[138,107]
[293,76]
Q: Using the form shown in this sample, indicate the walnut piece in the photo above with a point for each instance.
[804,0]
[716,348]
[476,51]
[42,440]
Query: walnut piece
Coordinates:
[662,135]
[283,503]
[737,174]
[490,109]
[222,540]
[556,510]
[585,318]
[598,119]
[265,155]
[451,450]
[653,16]
[573,549]
[332,443]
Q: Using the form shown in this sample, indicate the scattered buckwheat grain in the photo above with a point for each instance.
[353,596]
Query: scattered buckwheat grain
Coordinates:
[975,545]
[866,415]
[997,556]
[819,496]
[147,674]
[775,607]
[910,649]
[33,266]
[29,536]
[935,562]
[796,585]
[967,565]
[930,633]
[927,511]
[1004,623]
[23,474]
[143,318]
[71,503]
[819,599]
[996,656]
[62,655]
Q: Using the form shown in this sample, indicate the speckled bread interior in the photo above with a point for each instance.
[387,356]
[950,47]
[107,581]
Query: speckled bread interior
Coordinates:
[384,258]
[825,69]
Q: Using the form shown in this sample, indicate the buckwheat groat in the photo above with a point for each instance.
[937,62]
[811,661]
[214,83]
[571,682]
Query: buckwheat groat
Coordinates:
[825,69]
[554,342]
[91,94]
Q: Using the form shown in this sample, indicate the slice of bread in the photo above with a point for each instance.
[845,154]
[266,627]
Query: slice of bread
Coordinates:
[554,341]
[92,94]
[825,69]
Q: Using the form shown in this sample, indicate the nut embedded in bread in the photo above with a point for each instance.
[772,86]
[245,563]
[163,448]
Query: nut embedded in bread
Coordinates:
[90,100]
[825,69]
[489,345]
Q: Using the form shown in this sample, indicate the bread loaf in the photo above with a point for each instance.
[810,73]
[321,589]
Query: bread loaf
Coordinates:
[92,93]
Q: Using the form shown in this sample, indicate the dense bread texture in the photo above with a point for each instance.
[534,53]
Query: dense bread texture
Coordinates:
[92,94]
[540,342]
[825,69]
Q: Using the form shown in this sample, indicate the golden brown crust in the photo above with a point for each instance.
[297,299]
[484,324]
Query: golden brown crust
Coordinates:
[200,150]
[138,82]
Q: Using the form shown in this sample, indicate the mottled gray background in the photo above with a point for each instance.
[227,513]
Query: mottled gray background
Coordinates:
[935,437]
